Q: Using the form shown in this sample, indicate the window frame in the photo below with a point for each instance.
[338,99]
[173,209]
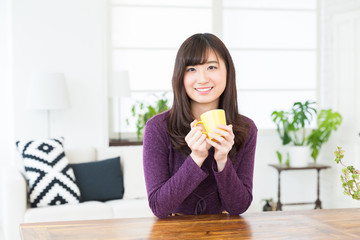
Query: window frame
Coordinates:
[217,8]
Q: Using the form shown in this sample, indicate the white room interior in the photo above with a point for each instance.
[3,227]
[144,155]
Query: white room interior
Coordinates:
[88,40]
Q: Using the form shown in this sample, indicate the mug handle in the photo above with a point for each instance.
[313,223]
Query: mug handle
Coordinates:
[200,122]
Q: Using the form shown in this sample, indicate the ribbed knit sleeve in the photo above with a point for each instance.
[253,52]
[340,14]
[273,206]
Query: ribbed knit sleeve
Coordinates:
[235,180]
[166,192]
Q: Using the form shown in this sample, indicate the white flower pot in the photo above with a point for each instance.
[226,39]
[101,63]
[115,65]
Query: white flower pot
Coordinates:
[299,156]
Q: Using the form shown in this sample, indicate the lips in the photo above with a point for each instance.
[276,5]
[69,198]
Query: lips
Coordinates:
[204,89]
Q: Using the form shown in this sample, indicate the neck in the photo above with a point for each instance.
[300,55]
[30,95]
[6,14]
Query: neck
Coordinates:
[199,108]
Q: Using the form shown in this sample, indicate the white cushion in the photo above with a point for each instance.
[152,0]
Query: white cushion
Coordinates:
[126,208]
[50,178]
[111,152]
[81,155]
[69,212]
[132,165]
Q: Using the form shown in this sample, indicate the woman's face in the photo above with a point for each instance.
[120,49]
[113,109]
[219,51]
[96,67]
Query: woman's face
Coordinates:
[205,83]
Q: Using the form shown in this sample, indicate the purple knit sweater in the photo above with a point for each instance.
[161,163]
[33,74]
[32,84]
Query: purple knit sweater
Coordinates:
[175,184]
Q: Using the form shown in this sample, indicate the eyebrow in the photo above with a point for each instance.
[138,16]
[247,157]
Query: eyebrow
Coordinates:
[213,62]
[208,62]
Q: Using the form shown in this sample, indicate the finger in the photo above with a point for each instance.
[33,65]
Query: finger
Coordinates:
[222,141]
[215,144]
[192,123]
[208,146]
[222,133]
[199,137]
[189,135]
[201,140]
[228,129]
[217,137]
[221,148]
[193,136]
[193,131]
[212,143]
[225,127]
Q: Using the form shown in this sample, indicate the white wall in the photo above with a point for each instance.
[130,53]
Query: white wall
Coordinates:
[6,103]
[70,37]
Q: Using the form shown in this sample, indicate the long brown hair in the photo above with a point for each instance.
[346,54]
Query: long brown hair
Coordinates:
[192,52]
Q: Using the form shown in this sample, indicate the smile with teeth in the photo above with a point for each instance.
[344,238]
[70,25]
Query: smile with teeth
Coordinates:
[203,89]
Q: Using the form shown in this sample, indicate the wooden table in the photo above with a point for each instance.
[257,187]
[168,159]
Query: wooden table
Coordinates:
[308,224]
[281,168]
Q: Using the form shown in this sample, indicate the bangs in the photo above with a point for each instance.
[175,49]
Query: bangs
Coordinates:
[197,53]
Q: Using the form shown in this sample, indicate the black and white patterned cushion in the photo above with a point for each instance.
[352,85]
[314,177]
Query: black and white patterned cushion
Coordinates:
[50,178]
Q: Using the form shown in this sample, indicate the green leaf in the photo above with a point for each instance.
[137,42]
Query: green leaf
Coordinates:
[142,112]
[355,176]
[351,169]
[279,157]
[280,118]
[291,125]
[351,185]
[287,162]
[133,111]
[356,195]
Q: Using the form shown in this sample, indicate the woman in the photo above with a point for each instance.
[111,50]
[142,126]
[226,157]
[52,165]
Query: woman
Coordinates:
[185,172]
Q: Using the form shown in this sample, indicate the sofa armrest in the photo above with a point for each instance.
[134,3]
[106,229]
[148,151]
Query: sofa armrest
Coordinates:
[13,200]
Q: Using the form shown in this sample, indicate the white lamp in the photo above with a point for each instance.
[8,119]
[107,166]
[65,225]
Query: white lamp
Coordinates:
[47,91]
[119,87]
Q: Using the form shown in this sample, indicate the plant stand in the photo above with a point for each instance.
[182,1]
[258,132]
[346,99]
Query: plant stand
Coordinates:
[281,168]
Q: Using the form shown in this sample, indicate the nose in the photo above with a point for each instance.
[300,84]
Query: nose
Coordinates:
[203,77]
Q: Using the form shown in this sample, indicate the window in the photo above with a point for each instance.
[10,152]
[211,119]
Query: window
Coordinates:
[272,42]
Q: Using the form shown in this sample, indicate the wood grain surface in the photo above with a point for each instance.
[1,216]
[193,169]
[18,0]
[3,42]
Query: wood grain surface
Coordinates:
[309,224]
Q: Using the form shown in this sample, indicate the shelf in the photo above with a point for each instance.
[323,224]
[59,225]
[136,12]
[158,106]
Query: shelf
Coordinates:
[125,142]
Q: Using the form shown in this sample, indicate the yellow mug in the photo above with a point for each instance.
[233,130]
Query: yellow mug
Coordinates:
[211,119]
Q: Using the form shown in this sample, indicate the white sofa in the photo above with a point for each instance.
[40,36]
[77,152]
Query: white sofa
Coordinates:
[16,210]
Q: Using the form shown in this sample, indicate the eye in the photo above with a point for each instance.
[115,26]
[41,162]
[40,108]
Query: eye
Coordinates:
[212,67]
[190,69]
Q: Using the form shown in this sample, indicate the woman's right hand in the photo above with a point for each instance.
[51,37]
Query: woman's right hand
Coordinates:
[195,139]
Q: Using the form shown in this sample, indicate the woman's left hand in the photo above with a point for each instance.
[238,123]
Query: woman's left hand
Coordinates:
[223,145]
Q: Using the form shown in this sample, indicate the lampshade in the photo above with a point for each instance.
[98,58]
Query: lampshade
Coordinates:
[119,85]
[48,91]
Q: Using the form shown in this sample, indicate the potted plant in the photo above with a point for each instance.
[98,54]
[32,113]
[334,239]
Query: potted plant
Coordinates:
[327,122]
[142,112]
[350,176]
[291,127]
